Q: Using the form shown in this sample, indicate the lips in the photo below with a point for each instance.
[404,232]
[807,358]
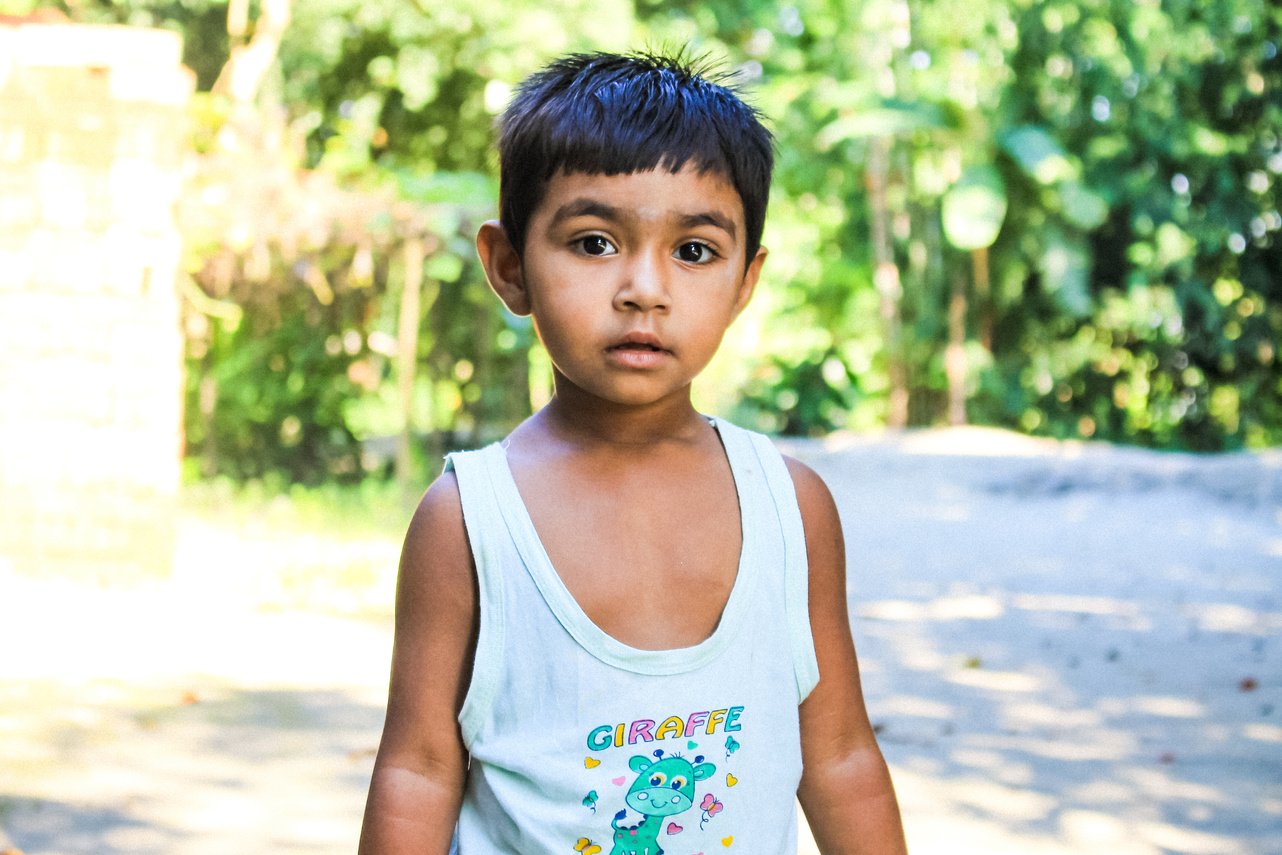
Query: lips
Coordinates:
[639,341]
[638,350]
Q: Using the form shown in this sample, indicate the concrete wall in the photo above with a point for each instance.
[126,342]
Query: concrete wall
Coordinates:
[92,132]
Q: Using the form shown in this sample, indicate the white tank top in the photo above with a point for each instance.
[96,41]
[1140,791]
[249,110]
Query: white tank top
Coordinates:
[580,743]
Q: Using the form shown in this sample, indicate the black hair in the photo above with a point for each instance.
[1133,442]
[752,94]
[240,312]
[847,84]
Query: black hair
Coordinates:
[612,114]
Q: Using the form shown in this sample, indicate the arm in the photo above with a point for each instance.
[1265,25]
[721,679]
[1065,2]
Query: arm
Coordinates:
[845,789]
[419,773]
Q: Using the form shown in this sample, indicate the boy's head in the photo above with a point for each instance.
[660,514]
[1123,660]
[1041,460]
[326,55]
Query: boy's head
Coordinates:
[611,114]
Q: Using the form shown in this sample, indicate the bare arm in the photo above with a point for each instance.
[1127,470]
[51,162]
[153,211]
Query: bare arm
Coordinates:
[845,789]
[421,766]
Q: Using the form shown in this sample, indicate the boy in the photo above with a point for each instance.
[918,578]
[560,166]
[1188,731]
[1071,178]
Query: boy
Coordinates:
[624,628]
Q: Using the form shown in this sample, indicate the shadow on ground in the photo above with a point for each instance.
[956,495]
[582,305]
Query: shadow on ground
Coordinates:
[1073,651]
[191,769]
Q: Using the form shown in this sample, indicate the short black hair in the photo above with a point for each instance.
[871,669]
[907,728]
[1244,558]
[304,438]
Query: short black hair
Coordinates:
[612,114]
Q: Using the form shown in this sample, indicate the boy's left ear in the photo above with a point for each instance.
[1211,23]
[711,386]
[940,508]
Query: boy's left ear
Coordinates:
[749,284]
[503,267]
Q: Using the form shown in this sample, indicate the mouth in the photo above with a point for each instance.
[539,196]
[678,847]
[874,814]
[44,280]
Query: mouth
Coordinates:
[638,351]
[638,343]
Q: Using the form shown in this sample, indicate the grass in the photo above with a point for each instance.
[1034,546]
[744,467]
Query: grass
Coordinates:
[367,509]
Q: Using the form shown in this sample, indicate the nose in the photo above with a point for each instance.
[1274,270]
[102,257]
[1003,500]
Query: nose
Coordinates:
[645,285]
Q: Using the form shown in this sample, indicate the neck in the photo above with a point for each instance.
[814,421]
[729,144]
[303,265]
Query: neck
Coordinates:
[576,417]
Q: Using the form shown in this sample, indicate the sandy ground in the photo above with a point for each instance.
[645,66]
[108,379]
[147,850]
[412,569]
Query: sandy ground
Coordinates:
[1067,649]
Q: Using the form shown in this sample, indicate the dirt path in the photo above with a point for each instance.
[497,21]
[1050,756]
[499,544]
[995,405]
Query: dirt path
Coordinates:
[1066,649]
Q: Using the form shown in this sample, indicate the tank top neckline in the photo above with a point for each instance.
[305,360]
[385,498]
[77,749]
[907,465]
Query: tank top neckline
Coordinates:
[582,628]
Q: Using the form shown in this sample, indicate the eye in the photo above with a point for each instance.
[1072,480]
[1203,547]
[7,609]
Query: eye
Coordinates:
[597,245]
[696,252]
[678,782]
[657,779]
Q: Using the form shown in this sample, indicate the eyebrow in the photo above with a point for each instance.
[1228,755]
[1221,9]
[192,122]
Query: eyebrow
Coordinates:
[586,208]
[709,218]
[595,208]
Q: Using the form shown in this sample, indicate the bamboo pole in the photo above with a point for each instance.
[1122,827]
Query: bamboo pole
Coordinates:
[955,354]
[411,313]
[887,280]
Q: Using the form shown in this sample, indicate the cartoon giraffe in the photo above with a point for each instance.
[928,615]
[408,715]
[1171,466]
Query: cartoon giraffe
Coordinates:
[664,787]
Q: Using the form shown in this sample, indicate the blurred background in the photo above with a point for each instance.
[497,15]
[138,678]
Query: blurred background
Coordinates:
[1060,218]
[241,317]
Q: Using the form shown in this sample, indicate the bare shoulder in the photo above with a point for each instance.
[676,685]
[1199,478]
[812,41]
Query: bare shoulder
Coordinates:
[436,594]
[818,508]
[436,559]
[437,615]
[826,563]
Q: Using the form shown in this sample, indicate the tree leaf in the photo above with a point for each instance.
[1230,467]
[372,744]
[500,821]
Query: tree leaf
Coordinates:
[974,208]
[1038,154]
[443,267]
[1066,269]
[1082,206]
[888,119]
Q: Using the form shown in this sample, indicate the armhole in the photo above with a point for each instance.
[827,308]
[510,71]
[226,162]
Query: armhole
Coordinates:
[805,664]
[480,513]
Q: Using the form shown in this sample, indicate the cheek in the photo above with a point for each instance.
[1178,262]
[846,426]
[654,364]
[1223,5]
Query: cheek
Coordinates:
[563,322]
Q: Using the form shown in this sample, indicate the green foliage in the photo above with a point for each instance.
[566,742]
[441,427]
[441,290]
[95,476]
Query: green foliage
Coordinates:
[415,85]
[1097,183]
[1117,164]
[274,393]
[806,398]
[974,208]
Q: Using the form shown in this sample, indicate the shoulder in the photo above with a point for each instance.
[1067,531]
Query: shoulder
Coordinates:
[825,555]
[436,557]
[814,500]
[439,513]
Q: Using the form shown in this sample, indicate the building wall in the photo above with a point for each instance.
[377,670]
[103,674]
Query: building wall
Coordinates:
[92,132]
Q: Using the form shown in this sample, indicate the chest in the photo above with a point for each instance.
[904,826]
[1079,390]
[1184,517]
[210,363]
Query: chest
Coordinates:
[650,555]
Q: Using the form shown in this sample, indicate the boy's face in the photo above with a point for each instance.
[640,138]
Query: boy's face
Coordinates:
[631,279]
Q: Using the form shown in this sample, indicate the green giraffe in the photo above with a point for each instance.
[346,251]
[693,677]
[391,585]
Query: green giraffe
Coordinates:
[664,787]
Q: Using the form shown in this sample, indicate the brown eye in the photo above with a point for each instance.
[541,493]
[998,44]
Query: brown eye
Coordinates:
[695,253]
[596,245]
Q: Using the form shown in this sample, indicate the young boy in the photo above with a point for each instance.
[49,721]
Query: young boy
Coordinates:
[624,628]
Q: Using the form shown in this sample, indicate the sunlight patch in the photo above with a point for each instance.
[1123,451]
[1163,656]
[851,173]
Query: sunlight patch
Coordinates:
[1176,839]
[1169,707]
[1090,829]
[998,681]
[1263,732]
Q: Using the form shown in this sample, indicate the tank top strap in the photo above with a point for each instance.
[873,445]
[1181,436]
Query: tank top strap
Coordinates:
[796,564]
[491,546]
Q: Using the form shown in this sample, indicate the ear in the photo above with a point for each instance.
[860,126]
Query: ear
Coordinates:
[503,267]
[704,771]
[749,283]
[638,763]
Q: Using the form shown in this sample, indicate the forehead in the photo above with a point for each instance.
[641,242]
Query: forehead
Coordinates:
[656,196]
